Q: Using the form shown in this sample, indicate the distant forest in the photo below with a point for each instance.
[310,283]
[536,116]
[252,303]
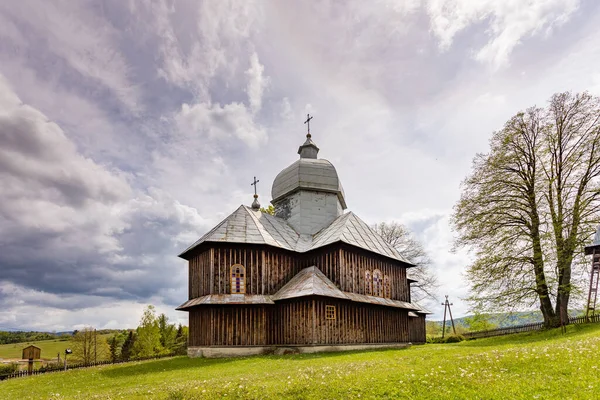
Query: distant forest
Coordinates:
[9,337]
[19,337]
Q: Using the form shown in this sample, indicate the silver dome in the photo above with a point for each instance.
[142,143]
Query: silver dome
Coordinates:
[309,174]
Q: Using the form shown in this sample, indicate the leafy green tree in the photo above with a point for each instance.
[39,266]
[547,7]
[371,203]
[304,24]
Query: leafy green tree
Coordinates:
[433,328]
[530,205]
[127,348]
[479,322]
[268,210]
[116,343]
[168,333]
[181,340]
[147,343]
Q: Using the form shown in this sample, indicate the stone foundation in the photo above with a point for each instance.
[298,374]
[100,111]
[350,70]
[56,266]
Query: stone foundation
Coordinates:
[219,352]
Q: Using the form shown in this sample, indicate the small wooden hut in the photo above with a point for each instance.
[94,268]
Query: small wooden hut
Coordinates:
[309,278]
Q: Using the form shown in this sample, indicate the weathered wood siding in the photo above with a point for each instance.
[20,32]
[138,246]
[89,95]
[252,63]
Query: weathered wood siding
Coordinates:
[238,325]
[266,270]
[354,264]
[360,323]
[303,322]
[298,322]
[417,329]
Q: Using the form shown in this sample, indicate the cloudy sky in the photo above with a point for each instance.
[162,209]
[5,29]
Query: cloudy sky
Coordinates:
[130,128]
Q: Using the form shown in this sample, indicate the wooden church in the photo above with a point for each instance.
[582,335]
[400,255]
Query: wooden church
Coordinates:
[309,278]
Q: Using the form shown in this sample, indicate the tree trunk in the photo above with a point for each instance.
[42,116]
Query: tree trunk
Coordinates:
[550,318]
[564,290]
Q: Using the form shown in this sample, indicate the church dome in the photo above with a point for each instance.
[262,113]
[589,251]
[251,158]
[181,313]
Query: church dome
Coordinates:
[308,174]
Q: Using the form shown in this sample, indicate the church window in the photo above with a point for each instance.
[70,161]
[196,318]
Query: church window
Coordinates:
[377,283]
[238,279]
[368,283]
[387,287]
[329,312]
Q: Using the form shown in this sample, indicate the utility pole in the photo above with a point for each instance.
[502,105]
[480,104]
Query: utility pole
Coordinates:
[447,305]
[95,348]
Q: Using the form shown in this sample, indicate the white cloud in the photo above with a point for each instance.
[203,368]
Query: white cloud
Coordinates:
[81,38]
[510,21]
[47,186]
[257,83]
[216,122]
[199,40]
[24,308]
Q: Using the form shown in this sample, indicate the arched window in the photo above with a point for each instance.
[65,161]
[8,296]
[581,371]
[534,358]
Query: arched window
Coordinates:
[238,279]
[387,287]
[368,283]
[377,283]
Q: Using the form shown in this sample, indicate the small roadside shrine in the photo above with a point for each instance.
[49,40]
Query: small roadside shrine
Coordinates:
[31,353]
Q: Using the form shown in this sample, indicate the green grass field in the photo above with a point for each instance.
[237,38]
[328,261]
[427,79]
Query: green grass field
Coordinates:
[546,365]
[50,348]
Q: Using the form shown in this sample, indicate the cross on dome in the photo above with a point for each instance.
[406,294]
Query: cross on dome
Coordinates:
[307,122]
[255,203]
[309,149]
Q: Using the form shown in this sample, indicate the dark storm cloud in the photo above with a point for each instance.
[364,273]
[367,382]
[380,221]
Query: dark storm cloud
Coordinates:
[69,226]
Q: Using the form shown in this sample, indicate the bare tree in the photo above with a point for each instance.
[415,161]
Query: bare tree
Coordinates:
[398,236]
[88,346]
[529,204]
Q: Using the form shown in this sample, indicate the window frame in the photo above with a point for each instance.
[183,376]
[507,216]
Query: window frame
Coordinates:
[237,269]
[330,312]
[387,287]
[377,283]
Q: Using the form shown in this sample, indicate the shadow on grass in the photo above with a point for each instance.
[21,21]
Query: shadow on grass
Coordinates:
[573,331]
[183,363]
[154,366]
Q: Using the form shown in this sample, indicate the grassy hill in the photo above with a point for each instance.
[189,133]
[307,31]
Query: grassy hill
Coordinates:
[540,365]
[506,320]
[50,348]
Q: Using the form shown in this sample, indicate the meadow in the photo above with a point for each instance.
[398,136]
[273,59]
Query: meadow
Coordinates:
[535,365]
[50,348]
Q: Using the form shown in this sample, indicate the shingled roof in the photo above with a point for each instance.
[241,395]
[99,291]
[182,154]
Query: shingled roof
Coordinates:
[348,228]
[308,282]
[245,225]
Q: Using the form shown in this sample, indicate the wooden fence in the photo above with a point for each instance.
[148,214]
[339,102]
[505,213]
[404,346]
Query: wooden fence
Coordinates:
[526,328]
[58,367]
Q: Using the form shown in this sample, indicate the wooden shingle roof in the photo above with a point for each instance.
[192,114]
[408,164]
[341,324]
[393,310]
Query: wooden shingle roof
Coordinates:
[309,282]
[245,225]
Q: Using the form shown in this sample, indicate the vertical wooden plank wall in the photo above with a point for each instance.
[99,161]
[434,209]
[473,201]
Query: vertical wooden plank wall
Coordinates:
[354,264]
[346,269]
[417,329]
[228,326]
[298,323]
[360,323]
[302,321]
[295,323]
[266,271]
